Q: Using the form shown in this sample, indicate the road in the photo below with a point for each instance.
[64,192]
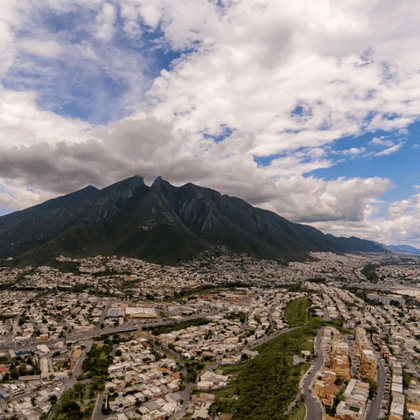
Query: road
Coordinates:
[97,412]
[313,405]
[376,403]
[186,393]
[136,326]
[103,316]
[70,381]
[87,338]
[269,337]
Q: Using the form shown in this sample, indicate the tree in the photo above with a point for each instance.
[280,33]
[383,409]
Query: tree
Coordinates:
[79,388]
[14,374]
[71,407]
[53,399]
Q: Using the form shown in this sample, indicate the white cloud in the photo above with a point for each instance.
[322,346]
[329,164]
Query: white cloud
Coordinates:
[307,199]
[289,78]
[18,196]
[398,227]
[105,21]
[354,151]
[381,142]
[264,69]
[46,49]
[390,150]
[23,123]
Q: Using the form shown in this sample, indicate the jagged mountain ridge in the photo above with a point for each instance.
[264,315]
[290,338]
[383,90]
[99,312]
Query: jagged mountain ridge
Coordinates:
[160,223]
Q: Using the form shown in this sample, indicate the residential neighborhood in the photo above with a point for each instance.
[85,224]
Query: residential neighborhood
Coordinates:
[121,338]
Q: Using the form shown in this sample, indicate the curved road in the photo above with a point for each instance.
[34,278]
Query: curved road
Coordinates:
[313,405]
[376,404]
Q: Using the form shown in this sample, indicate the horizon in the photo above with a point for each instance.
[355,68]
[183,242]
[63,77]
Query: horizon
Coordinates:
[309,110]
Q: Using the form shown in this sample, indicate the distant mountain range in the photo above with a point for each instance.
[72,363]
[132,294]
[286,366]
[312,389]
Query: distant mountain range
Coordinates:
[404,249]
[160,223]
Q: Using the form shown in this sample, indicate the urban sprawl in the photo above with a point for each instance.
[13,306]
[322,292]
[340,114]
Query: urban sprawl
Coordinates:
[120,338]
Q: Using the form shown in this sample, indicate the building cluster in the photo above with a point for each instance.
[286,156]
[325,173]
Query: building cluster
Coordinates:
[380,347]
[386,299]
[211,380]
[355,403]
[227,334]
[368,359]
[47,315]
[32,406]
[200,405]
[29,316]
[140,379]
[335,352]
[336,373]
[32,379]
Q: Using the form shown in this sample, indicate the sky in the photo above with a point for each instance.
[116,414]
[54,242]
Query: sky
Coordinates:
[308,108]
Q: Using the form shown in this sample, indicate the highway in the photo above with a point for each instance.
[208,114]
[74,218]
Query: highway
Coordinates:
[313,405]
[87,339]
[133,326]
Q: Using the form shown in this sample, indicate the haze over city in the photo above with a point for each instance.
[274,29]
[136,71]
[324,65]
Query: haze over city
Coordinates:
[309,109]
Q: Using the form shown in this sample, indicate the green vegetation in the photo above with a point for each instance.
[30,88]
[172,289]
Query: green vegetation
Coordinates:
[176,326]
[297,312]
[70,409]
[373,388]
[370,273]
[196,291]
[338,324]
[266,385]
[96,364]
[298,413]
[231,369]
[331,411]
[78,403]
[193,368]
[407,378]
[317,280]
[240,316]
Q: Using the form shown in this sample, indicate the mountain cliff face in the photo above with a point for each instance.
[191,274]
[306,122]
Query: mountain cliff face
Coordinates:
[160,223]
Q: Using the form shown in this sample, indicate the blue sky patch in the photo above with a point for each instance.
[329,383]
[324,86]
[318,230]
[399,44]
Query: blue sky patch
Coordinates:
[225,133]
[401,167]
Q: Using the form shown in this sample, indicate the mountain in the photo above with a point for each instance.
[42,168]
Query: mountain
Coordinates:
[160,223]
[404,249]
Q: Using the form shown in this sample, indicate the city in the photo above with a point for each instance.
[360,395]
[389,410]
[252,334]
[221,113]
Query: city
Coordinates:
[120,338]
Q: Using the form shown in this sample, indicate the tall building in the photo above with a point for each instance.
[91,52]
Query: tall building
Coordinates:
[369,364]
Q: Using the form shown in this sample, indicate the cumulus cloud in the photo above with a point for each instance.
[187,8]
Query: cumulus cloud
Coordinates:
[105,22]
[339,90]
[42,48]
[276,80]
[397,228]
[17,196]
[22,122]
[308,199]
